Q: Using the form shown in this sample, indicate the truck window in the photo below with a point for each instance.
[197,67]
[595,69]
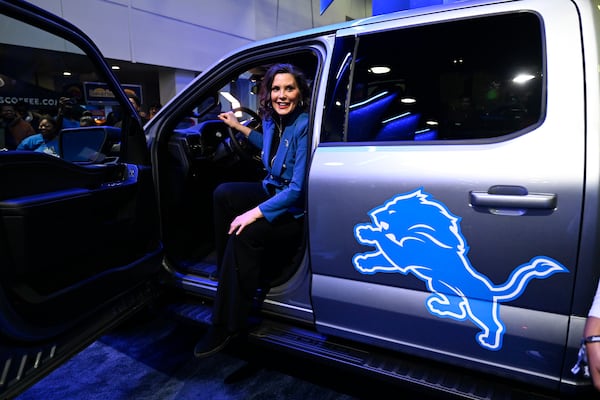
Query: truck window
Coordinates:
[483,80]
[45,77]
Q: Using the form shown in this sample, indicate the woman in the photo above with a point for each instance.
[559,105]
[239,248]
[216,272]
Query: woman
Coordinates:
[259,223]
[46,140]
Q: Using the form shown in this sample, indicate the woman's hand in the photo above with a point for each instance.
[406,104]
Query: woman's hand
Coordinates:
[231,121]
[592,327]
[593,355]
[242,221]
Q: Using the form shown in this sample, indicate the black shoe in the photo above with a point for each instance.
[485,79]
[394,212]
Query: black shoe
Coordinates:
[213,341]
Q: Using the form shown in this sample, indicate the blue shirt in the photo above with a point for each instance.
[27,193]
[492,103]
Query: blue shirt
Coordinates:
[37,143]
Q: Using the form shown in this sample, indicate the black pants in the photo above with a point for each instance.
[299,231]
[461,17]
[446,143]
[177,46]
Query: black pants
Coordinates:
[249,260]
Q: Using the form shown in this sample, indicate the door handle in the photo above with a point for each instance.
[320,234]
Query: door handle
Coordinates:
[516,197]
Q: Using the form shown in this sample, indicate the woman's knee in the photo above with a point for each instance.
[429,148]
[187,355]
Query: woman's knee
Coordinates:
[222,192]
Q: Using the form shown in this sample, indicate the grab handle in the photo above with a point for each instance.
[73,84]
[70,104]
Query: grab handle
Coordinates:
[502,196]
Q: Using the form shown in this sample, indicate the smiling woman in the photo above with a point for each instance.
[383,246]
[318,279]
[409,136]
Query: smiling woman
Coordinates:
[259,221]
[46,141]
[205,151]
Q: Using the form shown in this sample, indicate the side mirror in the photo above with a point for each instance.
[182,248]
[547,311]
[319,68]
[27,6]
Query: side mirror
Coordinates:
[91,144]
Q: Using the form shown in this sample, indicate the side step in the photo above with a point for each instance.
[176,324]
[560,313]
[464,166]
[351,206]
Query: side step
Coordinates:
[428,375]
[450,382]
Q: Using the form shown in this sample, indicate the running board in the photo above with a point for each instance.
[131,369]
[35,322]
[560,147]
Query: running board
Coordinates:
[429,377]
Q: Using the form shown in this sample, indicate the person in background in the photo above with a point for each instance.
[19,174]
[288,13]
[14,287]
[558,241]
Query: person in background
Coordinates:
[87,119]
[22,109]
[135,101]
[69,113]
[257,223]
[114,117]
[153,109]
[13,129]
[589,352]
[46,141]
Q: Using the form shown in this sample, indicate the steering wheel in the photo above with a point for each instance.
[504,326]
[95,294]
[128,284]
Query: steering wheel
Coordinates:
[254,123]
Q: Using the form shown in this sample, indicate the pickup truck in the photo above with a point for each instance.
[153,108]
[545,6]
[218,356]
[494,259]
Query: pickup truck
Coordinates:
[451,224]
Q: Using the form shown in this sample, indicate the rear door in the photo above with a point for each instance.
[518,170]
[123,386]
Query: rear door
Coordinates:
[79,236]
[444,215]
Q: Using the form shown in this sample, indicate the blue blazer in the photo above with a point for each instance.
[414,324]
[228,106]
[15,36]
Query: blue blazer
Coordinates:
[286,177]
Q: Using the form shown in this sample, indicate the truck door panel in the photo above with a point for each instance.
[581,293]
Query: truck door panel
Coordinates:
[463,246]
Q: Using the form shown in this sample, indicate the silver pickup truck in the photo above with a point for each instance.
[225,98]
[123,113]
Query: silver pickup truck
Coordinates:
[452,199]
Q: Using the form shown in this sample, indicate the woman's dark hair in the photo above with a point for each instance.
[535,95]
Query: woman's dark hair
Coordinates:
[265,108]
[50,119]
[53,122]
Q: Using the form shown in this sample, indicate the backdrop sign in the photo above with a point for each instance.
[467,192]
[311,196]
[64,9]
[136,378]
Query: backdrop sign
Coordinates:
[99,93]
[13,91]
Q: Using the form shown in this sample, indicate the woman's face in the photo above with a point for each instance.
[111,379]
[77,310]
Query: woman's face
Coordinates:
[46,128]
[285,94]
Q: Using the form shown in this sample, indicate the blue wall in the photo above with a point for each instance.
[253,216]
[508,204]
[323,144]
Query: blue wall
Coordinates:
[388,6]
[325,4]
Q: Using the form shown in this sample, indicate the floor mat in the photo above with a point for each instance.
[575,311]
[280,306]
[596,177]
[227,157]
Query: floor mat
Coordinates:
[152,359]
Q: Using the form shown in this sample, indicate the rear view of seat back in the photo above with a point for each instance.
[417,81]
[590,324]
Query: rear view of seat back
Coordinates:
[364,117]
[400,127]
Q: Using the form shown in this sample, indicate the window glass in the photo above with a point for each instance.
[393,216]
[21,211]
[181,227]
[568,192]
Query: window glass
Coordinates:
[45,81]
[468,79]
[337,89]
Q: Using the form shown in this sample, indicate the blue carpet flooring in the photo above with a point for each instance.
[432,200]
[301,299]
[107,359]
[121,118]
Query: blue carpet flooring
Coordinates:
[152,359]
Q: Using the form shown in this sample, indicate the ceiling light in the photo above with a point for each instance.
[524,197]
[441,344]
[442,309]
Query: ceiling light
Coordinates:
[66,73]
[522,78]
[115,67]
[379,70]
[408,100]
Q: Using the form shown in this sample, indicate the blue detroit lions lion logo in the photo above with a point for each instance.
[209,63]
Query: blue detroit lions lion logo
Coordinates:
[413,233]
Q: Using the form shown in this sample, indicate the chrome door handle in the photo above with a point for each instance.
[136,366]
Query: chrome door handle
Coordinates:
[513,197]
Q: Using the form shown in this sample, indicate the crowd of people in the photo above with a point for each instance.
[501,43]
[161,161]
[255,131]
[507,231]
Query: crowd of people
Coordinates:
[22,128]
